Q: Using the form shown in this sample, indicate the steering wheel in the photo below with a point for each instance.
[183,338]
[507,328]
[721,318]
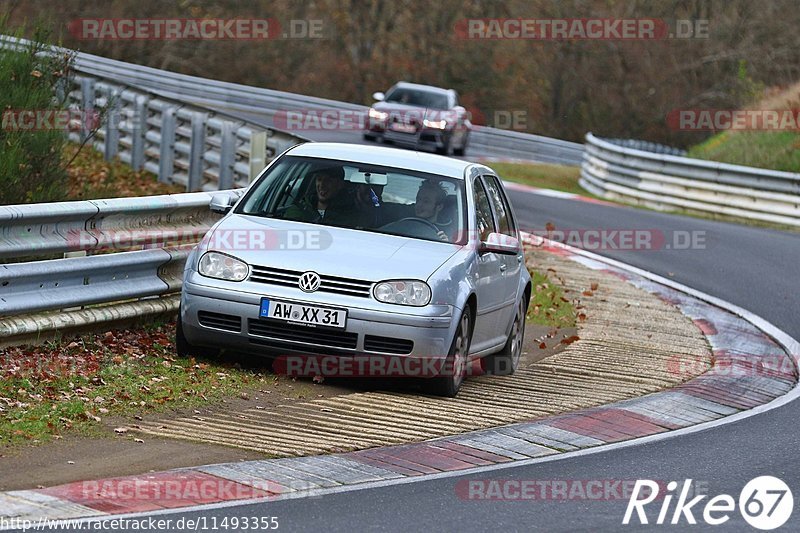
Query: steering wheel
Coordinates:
[428,223]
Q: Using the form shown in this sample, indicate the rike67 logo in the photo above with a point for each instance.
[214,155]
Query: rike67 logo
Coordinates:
[765,503]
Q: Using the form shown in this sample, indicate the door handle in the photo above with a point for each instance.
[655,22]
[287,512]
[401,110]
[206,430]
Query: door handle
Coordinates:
[503,268]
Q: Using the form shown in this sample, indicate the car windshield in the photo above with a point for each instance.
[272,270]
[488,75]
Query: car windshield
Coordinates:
[360,196]
[417,98]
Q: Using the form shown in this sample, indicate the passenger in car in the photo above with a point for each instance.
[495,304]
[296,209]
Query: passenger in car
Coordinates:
[330,202]
[430,203]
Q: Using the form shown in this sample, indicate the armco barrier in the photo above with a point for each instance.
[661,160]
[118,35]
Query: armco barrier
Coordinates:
[191,146]
[669,182]
[130,250]
[181,144]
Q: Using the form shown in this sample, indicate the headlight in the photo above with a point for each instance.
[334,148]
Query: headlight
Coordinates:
[436,124]
[221,266]
[377,115]
[403,292]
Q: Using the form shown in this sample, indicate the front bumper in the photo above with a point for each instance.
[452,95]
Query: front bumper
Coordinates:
[427,138]
[430,329]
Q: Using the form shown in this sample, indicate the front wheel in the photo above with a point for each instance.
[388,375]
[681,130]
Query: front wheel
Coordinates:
[447,146]
[461,152]
[506,361]
[455,367]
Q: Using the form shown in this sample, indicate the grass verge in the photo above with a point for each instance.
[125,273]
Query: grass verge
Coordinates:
[91,177]
[74,384]
[557,177]
[549,306]
[776,150]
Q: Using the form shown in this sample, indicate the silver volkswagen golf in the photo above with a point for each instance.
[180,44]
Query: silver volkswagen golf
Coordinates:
[358,251]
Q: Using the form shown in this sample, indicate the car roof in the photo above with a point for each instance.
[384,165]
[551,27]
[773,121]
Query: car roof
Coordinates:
[390,157]
[428,88]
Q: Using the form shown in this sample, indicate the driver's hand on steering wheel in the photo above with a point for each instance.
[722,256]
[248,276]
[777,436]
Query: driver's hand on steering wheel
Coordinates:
[442,236]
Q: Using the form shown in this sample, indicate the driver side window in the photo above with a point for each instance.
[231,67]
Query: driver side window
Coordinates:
[483,212]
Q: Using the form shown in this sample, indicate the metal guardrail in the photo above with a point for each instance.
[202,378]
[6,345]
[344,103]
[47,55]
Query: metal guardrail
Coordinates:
[244,99]
[191,146]
[136,250]
[648,146]
[668,182]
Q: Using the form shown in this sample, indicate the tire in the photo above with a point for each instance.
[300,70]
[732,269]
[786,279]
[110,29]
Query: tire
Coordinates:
[447,148]
[184,349]
[461,152]
[506,361]
[455,367]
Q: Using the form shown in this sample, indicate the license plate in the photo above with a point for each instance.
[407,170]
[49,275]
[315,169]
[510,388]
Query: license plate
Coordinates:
[404,128]
[310,315]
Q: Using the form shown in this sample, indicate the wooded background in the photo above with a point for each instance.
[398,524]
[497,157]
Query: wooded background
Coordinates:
[612,88]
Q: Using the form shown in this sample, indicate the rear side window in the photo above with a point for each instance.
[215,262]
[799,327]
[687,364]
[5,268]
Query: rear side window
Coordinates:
[505,223]
[483,212]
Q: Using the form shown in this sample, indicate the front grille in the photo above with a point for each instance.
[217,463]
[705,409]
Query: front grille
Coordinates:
[219,321]
[332,284]
[373,343]
[293,333]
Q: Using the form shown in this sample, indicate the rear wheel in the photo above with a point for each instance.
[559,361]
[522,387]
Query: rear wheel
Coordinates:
[506,361]
[455,367]
[185,349]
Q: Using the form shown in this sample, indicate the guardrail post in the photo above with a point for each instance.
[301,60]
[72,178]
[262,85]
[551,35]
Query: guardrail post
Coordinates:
[61,90]
[227,156]
[166,158]
[138,131]
[113,120]
[87,106]
[196,161]
[258,152]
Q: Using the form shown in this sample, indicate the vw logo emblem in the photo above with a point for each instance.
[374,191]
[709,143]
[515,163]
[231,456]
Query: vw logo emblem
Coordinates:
[309,282]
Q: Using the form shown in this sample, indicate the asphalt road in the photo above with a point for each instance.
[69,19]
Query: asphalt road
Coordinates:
[753,268]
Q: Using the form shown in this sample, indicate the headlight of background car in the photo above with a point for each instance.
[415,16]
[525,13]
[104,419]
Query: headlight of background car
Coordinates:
[377,115]
[436,124]
[403,292]
[221,266]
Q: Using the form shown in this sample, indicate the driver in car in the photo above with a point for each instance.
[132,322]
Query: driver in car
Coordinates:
[429,205]
[330,203]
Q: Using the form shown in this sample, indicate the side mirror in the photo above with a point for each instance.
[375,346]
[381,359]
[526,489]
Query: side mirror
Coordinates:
[221,203]
[500,243]
[378,96]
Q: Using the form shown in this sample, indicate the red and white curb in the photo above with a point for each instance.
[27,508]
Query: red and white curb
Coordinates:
[755,366]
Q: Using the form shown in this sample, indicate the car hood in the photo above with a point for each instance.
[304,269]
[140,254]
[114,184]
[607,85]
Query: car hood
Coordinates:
[327,250]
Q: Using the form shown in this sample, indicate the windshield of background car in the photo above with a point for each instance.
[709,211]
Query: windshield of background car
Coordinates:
[360,196]
[417,98]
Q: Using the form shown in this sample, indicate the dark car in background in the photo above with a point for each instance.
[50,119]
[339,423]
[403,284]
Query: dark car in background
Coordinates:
[419,117]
